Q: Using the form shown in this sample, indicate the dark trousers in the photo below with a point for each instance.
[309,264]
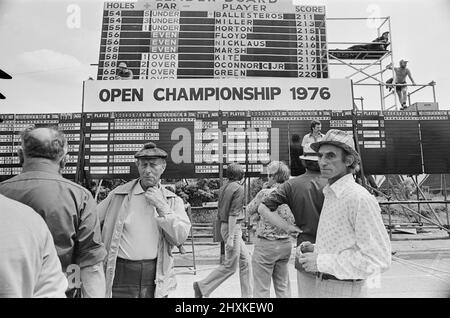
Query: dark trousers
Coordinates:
[134,279]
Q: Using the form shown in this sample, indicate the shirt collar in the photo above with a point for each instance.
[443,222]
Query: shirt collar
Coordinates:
[339,186]
[40,164]
[138,189]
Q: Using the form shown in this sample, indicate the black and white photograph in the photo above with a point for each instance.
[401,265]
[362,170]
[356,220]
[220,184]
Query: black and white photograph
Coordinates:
[241,151]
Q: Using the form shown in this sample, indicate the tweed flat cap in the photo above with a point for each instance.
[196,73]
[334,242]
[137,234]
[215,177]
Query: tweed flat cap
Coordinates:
[151,151]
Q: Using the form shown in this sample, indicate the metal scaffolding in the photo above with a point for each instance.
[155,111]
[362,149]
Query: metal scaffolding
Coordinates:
[372,68]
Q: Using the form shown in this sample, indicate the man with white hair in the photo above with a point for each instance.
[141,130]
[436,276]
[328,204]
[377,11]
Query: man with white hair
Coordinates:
[142,222]
[68,209]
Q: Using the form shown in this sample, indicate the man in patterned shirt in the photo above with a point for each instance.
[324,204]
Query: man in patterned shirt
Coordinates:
[352,243]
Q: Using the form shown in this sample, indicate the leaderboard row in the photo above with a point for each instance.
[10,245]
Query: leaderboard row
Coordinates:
[389,143]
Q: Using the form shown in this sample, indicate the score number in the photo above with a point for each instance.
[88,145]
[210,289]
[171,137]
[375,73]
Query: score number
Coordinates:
[312,93]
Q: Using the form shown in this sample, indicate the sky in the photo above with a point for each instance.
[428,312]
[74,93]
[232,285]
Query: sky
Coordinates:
[48,47]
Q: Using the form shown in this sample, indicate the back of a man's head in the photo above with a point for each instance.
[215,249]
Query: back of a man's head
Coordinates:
[235,172]
[48,143]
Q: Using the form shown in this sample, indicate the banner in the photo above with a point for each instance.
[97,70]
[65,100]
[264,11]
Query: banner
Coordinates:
[218,94]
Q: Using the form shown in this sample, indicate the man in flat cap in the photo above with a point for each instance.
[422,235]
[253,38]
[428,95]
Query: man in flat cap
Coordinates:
[352,244]
[141,223]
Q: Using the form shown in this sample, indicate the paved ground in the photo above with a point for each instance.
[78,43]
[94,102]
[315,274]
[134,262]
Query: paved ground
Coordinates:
[409,276]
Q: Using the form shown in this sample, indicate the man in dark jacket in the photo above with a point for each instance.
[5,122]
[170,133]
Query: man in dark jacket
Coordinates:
[68,209]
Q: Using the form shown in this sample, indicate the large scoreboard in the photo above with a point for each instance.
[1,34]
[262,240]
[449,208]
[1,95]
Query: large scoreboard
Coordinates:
[213,39]
[198,141]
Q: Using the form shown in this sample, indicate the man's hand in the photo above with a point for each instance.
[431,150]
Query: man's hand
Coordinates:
[307,247]
[293,230]
[309,262]
[229,243]
[156,198]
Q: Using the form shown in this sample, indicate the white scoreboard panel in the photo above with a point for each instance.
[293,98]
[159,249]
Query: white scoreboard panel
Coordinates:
[213,39]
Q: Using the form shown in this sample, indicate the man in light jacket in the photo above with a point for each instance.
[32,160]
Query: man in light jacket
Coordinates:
[141,223]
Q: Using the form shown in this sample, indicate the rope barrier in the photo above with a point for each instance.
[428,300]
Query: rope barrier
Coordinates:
[422,268]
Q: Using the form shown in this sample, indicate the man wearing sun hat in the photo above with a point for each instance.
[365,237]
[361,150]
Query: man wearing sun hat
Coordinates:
[142,222]
[123,72]
[352,244]
[303,194]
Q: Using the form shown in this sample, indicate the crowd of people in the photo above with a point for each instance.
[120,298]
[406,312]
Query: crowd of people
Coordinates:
[56,241]
[118,248]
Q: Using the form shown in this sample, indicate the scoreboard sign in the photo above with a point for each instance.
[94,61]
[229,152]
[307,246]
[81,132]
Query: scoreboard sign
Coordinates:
[198,141]
[13,124]
[213,39]
[218,94]
[435,135]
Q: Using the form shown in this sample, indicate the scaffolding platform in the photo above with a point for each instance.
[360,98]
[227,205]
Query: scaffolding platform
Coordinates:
[344,54]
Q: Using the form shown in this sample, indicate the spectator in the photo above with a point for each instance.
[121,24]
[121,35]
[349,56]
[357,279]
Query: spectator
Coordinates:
[68,209]
[304,196]
[314,136]
[400,82]
[231,214]
[379,44]
[29,265]
[352,243]
[295,151]
[273,246]
[142,222]
[123,72]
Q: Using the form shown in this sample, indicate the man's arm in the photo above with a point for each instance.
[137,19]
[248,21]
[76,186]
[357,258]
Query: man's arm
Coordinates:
[172,220]
[276,198]
[252,207]
[90,251]
[93,281]
[51,282]
[129,75]
[410,77]
[305,140]
[231,228]
[236,209]
[276,220]
[394,79]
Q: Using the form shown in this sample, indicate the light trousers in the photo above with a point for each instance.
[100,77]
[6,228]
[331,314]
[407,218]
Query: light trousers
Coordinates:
[340,289]
[270,263]
[306,284]
[238,255]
